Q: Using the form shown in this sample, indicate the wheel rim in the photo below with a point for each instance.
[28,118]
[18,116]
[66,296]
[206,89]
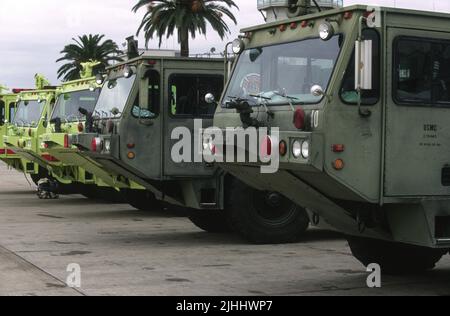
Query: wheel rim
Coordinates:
[272,208]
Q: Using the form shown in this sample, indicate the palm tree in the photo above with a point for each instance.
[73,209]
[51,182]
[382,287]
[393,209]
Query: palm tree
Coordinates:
[187,17]
[87,48]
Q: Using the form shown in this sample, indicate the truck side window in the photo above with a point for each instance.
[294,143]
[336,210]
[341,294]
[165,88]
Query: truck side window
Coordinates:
[12,111]
[2,112]
[187,94]
[422,68]
[153,103]
[369,97]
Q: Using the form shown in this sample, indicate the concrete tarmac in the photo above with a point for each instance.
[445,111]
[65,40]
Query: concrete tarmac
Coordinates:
[122,251]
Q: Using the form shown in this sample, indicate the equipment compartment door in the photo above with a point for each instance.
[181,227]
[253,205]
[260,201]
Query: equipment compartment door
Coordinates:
[417,151]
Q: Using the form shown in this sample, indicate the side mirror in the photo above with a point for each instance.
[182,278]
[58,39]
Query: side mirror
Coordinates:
[317,91]
[99,79]
[210,99]
[115,111]
[363,65]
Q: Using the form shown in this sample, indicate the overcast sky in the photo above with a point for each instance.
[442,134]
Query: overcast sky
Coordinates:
[32,33]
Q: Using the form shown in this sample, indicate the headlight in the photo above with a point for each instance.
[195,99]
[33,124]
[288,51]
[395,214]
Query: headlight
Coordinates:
[128,72]
[326,31]
[297,149]
[305,149]
[99,79]
[107,146]
[238,46]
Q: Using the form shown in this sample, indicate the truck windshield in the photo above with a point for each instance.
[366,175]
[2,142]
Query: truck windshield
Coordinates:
[29,113]
[284,73]
[113,97]
[68,105]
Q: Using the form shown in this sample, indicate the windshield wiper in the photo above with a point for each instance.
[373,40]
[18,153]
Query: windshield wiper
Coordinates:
[277,93]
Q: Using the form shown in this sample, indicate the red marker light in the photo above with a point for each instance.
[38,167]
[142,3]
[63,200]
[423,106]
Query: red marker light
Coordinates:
[96,144]
[17,91]
[283,28]
[299,118]
[80,127]
[283,148]
[305,24]
[49,158]
[66,141]
[293,25]
[338,148]
[348,15]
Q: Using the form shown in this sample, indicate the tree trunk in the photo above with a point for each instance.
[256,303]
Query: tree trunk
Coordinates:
[184,42]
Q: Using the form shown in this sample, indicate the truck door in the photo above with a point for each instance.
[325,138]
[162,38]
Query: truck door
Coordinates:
[417,138]
[184,100]
[141,127]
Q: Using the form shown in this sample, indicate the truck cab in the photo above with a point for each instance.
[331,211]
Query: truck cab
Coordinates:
[7,110]
[356,101]
[8,102]
[31,120]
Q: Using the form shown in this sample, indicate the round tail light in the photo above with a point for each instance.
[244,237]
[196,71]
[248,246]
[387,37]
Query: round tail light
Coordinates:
[66,141]
[299,118]
[283,148]
[266,147]
[96,144]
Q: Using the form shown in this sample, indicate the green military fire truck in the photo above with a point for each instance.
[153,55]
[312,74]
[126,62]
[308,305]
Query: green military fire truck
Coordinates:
[356,100]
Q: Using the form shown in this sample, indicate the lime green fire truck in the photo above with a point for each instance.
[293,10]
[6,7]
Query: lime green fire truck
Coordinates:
[30,119]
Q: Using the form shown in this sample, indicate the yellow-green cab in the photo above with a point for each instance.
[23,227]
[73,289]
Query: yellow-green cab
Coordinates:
[74,98]
[71,116]
[7,110]
[30,121]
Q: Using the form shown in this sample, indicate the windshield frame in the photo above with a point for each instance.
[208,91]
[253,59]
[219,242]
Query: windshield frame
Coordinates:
[29,124]
[61,95]
[134,86]
[279,105]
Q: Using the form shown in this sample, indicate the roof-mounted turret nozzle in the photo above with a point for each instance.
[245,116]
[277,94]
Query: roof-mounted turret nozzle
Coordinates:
[87,68]
[276,10]
[3,89]
[132,47]
[41,82]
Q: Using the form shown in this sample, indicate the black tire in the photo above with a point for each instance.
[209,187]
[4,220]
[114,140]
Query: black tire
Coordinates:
[211,221]
[395,258]
[264,217]
[35,178]
[42,174]
[142,200]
